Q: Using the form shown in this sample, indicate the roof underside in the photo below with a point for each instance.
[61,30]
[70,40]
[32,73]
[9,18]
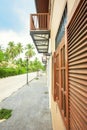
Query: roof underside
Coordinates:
[42,6]
[41,40]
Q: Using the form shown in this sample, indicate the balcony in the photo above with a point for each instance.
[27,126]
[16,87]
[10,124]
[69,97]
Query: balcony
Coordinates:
[39,31]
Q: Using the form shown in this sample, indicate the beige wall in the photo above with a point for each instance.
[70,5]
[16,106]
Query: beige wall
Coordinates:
[58,9]
[56,117]
[70,6]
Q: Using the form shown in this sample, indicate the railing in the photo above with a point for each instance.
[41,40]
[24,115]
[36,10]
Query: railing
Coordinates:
[39,21]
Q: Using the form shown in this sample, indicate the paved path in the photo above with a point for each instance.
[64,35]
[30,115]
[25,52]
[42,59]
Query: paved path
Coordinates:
[30,108]
[11,84]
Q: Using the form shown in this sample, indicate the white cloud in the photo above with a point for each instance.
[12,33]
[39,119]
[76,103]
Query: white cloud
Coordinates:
[7,36]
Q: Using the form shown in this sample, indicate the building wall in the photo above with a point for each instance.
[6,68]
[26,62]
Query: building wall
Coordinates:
[55,20]
[70,6]
[49,71]
[57,12]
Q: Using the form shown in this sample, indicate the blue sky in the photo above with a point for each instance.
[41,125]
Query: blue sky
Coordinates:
[14,21]
[14,14]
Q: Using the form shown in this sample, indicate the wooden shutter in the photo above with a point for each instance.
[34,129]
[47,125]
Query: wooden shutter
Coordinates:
[58,76]
[77,67]
[54,76]
[61,88]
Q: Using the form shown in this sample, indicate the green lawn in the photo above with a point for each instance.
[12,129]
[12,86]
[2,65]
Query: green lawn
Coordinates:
[5,113]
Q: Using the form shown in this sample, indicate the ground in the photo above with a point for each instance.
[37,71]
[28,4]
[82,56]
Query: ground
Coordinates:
[30,106]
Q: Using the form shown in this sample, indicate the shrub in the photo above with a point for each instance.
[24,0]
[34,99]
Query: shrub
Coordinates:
[5,72]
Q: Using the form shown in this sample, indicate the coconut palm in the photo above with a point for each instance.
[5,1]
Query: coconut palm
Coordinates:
[19,48]
[30,51]
[11,51]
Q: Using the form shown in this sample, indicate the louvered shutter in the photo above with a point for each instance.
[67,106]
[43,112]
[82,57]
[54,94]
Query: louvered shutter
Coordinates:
[77,67]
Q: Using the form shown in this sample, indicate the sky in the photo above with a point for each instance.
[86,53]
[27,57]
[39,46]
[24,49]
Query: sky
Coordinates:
[14,21]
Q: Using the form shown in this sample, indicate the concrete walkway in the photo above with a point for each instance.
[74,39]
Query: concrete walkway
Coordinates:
[11,84]
[30,108]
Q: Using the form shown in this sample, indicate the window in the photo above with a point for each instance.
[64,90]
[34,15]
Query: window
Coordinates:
[60,70]
[60,80]
[61,29]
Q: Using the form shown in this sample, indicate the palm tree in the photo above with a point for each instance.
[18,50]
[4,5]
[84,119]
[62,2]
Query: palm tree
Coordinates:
[29,54]
[11,51]
[19,48]
[30,51]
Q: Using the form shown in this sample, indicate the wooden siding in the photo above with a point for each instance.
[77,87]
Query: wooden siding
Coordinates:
[77,67]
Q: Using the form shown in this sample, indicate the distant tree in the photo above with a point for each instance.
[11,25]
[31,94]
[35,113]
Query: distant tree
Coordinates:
[1,55]
[29,51]
[19,48]
[19,61]
[11,51]
[37,64]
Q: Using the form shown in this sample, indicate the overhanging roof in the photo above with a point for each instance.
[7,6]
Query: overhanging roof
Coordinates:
[42,6]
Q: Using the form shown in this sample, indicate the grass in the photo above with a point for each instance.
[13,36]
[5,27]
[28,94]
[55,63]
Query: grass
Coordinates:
[5,113]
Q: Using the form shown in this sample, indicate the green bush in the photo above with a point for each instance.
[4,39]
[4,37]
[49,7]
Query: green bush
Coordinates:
[5,72]
[32,67]
[21,70]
